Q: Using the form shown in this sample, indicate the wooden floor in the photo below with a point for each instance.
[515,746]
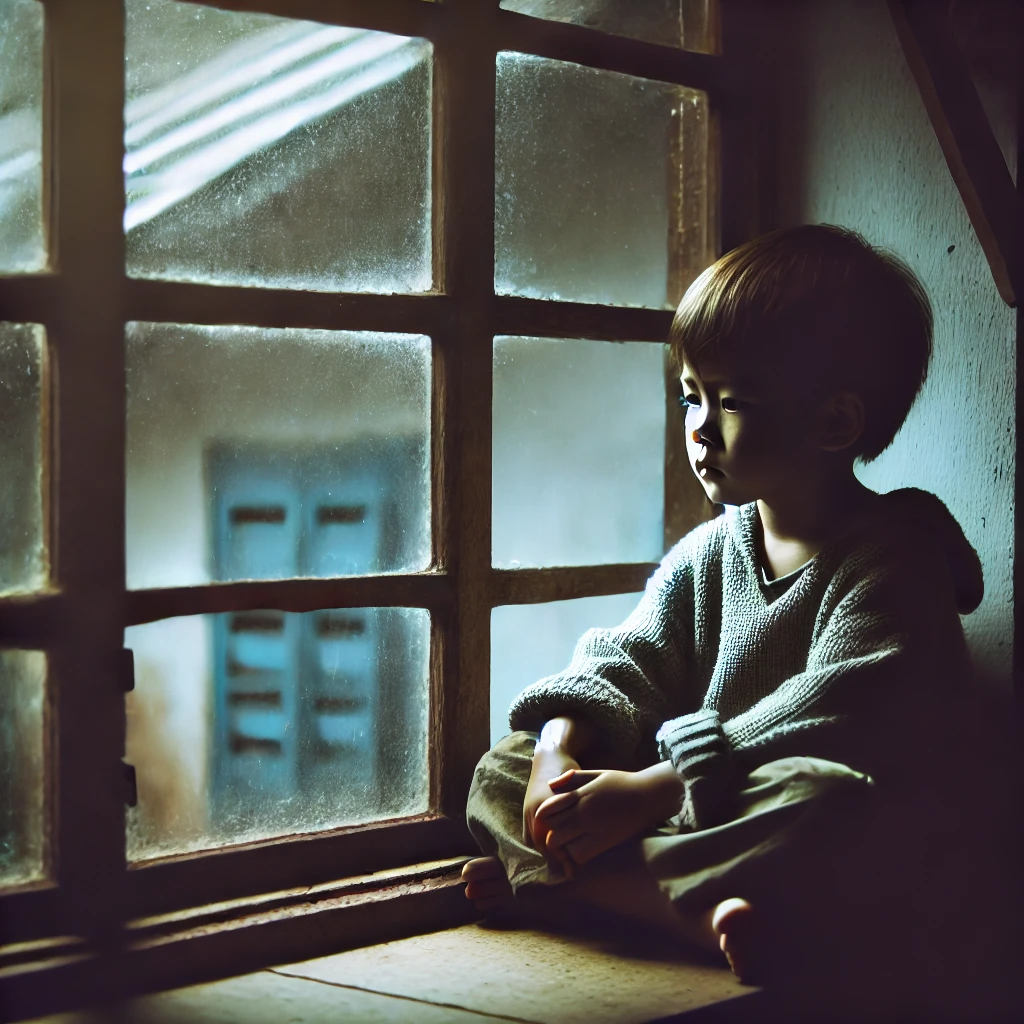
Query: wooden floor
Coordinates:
[475,974]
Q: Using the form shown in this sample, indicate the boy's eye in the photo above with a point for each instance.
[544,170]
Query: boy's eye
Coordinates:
[690,401]
[732,404]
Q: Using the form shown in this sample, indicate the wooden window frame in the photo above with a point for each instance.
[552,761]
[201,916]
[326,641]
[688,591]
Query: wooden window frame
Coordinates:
[121,943]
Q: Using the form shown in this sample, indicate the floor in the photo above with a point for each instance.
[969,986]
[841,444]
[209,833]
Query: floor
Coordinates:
[475,974]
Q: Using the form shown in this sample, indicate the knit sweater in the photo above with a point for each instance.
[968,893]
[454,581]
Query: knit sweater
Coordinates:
[857,660]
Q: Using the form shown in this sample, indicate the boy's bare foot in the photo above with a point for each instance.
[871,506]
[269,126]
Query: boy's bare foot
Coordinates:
[740,939]
[487,884]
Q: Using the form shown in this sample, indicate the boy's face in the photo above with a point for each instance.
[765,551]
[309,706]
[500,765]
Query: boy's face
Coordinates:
[755,428]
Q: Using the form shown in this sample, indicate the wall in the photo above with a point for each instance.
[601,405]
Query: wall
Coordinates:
[844,138]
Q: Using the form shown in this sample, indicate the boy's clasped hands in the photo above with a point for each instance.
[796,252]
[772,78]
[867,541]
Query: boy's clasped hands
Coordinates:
[572,814]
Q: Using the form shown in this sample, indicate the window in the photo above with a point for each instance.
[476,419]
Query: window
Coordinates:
[309,312]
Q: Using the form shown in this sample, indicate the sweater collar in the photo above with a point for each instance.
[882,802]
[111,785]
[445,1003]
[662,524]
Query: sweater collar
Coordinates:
[906,505]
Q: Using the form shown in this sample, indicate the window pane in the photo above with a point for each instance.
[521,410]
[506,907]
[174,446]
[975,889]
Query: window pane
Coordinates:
[256,724]
[22,552]
[579,452]
[22,694]
[682,23]
[266,151]
[267,454]
[22,247]
[600,188]
[553,630]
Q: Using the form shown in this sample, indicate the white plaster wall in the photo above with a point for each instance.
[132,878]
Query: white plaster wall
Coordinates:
[859,150]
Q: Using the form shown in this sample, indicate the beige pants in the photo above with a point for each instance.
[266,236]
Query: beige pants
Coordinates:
[799,822]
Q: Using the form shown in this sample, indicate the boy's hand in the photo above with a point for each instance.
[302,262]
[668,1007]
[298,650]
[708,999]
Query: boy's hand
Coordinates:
[547,764]
[592,811]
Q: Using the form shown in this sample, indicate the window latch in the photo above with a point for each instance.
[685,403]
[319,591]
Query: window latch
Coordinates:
[131,790]
[126,669]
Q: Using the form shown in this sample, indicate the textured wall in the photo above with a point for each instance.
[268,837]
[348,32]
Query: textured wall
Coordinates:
[846,140]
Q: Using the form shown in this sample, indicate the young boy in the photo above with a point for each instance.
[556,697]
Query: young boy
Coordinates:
[739,762]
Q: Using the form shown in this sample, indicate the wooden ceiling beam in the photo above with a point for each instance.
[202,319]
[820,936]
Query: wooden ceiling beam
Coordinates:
[965,135]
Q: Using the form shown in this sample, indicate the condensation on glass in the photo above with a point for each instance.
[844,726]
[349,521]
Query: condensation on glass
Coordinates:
[266,151]
[600,184]
[22,240]
[256,724]
[532,641]
[22,772]
[257,453]
[578,452]
[679,23]
[23,562]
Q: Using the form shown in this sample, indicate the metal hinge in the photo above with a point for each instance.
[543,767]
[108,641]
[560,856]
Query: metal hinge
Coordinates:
[131,790]
[126,669]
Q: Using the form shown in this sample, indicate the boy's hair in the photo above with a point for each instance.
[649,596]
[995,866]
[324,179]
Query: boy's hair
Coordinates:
[817,299]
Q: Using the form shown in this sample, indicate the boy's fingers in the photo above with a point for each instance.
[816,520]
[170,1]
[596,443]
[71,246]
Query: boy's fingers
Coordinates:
[563,859]
[556,804]
[572,779]
[559,838]
[581,849]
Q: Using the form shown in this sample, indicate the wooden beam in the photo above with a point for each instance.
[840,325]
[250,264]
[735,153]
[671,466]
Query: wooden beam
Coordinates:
[965,135]
[566,583]
[327,922]
[31,622]
[413,590]
[85,329]
[464,82]
[548,319]
[581,45]
[401,17]
[173,302]
[173,884]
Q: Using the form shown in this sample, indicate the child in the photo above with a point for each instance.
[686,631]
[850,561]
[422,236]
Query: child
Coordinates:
[746,761]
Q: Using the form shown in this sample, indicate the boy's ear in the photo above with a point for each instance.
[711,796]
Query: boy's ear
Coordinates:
[841,421]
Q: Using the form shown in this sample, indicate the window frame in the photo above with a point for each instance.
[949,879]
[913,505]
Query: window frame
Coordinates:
[84,302]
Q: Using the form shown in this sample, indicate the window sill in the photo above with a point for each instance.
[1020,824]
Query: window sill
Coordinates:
[474,973]
[217,941]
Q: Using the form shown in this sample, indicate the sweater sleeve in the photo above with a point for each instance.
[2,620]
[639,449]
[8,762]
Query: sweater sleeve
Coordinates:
[878,636]
[627,680]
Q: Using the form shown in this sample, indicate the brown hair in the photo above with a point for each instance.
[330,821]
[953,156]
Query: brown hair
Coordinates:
[822,300]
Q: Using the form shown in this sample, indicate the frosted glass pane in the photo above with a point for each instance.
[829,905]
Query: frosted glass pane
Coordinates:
[531,641]
[257,724]
[22,690]
[266,151]
[268,454]
[600,184]
[22,554]
[22,247]
[579,452]
[682,23]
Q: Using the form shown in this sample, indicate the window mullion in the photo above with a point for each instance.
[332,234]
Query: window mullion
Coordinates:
[464,267]
[410,590]
[86,52]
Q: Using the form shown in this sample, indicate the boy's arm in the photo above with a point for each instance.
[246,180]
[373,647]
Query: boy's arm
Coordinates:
[627,680]
[562,742]
[855,701]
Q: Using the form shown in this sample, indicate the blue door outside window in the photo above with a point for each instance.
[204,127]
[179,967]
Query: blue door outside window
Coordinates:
[296,696]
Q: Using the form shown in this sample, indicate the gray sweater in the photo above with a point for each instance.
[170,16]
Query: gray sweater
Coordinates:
[859,660]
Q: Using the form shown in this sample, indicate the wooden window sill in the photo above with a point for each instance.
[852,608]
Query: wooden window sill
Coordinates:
[469,973]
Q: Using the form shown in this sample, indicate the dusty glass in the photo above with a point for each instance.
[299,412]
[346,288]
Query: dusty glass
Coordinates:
[22,243]
[256,724]
[266,454]
[578,452]
[23,564]
[532,641]
[266,151]
[600,184]
[680,23]
[22,696]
